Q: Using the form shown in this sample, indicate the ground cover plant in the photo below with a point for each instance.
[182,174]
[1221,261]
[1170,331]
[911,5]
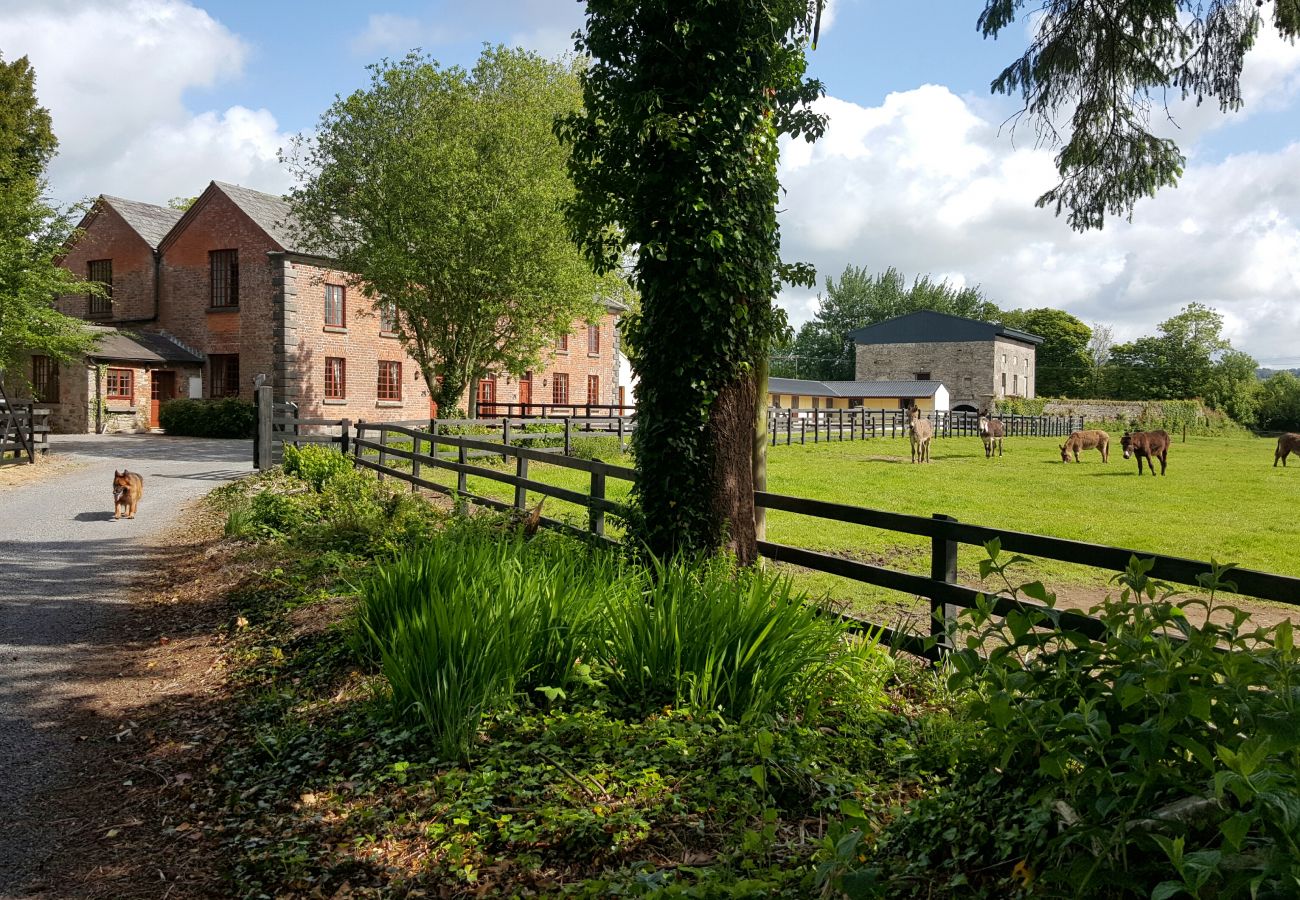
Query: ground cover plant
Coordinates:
[600,760]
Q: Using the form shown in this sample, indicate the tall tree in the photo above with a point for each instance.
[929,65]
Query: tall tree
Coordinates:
[1063,365]
[1278,403]
[441,190]
[675,153]
[822,348]
[32,233]
[1233,386]
[1104,65]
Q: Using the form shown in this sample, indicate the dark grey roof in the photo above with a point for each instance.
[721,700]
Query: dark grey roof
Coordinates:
[139,346]
[853,388]
[271,213]
[929,327]
[151,222]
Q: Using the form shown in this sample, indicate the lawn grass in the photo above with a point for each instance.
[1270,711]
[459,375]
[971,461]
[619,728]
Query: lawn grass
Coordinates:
[1221,499]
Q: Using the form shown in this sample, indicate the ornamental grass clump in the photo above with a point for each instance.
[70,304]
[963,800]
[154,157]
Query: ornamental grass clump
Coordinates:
[710,637]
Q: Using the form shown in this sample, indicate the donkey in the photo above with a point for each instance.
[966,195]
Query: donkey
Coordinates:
[1148,445]
[922,431]
[1286,445]
[1092,439]
[991,431]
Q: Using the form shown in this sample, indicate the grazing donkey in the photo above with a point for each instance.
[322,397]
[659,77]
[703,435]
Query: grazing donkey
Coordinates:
[1286,445]
[1092,439]
[922,431]
[1148,445]
[991,431]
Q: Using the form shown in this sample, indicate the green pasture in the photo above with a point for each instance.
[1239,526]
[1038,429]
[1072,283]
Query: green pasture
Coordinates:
[1221,499]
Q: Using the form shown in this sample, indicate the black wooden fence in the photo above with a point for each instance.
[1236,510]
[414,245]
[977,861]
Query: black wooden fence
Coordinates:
[444,463]
[24,430]
[810,426]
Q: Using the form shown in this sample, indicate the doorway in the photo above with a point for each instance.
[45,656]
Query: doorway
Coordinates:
[162,387]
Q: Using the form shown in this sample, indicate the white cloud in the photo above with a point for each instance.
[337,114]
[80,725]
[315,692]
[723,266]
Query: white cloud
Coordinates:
[389,33]
[925,184]
[114,76]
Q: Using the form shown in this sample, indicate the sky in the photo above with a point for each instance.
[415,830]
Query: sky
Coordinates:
[919,168]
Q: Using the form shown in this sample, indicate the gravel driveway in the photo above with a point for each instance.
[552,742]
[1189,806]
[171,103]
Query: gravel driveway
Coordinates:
[65,566]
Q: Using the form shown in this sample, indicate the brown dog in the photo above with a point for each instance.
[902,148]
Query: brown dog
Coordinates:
[128,488]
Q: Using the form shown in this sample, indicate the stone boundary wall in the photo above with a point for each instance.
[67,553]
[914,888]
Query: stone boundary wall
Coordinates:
[1103,410]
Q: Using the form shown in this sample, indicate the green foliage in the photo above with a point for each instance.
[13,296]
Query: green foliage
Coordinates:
[713,638]
[1062,363]
[441,189]
[1279,403]
[32,234]
[315,463]
[228,417]
[1072,68]
[674,159]
[1021,406]
[1158,760]
[822,349]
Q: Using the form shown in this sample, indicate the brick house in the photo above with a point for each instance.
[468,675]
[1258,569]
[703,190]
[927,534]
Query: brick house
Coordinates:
[979,362]
[223,293]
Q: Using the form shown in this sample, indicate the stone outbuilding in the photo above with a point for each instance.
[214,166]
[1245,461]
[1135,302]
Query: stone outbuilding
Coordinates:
[979,362]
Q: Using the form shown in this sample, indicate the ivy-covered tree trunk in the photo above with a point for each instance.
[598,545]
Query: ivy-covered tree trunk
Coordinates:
[675,156]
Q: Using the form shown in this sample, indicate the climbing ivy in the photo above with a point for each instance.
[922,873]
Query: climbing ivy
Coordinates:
[674,159]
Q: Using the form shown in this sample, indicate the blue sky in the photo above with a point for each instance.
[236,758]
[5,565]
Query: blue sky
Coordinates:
[153,98]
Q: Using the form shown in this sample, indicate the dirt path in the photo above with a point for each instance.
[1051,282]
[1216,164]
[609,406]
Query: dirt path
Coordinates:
[64,619]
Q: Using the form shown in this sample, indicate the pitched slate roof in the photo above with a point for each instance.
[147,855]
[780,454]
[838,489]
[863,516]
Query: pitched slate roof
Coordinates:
[271,213]
[929,327]
[898,389]
[150,222]
[139,346]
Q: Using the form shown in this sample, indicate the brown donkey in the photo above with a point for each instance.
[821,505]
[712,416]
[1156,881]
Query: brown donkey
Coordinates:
[1148,445]
[1092,439]
[922,431]
[991,431]
[1286,445]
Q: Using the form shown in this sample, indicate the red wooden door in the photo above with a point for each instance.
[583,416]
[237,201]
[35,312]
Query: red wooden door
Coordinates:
[525,393]
[162,387]
[487,395]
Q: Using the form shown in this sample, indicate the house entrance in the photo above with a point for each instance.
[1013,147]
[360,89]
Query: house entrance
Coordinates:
[162,387]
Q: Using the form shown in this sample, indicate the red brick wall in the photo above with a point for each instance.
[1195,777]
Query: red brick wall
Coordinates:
[187,311]
[577,362]
[108,236]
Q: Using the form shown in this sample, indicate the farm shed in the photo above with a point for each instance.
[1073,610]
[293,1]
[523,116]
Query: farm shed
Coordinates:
[798,393]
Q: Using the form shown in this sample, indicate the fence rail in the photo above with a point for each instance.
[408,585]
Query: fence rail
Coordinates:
[418,456]
[24,431]
[811,426]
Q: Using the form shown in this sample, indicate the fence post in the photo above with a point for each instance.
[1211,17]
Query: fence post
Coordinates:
[622,445]
[505,437]
[943,567]
[462,479]
[803,430]
[568,435]
[521,490]
[344,427]
[596,512]
[361,436]
[383,454]
[265,412]
[415,461]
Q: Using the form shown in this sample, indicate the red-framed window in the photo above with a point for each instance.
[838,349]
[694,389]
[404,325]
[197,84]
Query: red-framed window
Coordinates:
[390,381]
[45,379]
[119,384]
[223,266]
[560,388]
[388,318]
[223,374]
[100,271]
[562,344]
[593,388]
[336,378]
[335,314]
[593,338]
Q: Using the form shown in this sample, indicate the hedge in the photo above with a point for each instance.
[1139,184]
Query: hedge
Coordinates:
[226,418]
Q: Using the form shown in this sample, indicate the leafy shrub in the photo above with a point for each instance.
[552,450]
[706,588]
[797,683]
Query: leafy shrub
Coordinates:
[229,417]
[315,463]
[273,514]
[1157,762]
[712,638]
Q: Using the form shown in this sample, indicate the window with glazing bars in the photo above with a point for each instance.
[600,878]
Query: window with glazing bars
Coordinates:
[100,271]
[593,338]
[224,266]
[336,378]
[224,371]
[388,318]
[593,388]
[390,381]
[45,379]
[334,312]
[560,388]
[119,384]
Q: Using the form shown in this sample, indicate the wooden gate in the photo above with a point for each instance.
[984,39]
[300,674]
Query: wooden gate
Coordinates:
[23,429]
